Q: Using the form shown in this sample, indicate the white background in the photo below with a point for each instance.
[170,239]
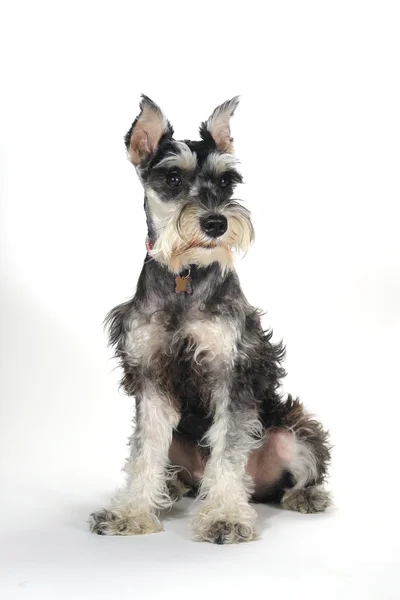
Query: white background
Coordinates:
[318,133]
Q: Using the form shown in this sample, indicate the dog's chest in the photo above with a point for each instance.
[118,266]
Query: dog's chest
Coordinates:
[164,333]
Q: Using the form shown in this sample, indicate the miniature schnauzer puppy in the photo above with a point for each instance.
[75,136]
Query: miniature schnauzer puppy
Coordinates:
[210,420]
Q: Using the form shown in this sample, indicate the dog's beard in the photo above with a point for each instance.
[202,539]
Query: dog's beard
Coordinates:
[181,242]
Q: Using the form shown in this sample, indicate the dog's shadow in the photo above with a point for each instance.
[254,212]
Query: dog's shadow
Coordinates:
[266,512]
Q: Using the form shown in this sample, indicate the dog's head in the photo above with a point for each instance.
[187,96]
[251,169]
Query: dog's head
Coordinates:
[191,216]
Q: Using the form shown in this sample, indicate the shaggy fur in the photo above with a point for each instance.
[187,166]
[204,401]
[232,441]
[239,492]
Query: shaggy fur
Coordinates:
[205,375]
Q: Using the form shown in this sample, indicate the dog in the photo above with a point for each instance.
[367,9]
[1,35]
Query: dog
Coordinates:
[210,420]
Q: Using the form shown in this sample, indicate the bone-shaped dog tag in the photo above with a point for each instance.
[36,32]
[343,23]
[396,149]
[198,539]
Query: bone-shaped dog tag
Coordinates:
[183,284]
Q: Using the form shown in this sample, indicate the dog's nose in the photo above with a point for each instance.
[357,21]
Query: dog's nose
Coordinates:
[214,225]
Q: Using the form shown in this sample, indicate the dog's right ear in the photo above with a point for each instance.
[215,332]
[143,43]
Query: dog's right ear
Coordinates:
[146,132]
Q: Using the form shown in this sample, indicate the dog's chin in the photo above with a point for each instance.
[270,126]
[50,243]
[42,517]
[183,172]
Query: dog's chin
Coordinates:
[201,255]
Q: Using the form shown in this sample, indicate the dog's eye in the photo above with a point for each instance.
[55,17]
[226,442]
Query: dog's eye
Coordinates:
[173,179]
[225,180]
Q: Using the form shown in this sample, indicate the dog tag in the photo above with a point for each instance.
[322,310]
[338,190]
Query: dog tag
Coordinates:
[183,284]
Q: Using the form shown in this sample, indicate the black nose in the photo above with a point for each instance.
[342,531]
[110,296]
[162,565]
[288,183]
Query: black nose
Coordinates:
[214,225]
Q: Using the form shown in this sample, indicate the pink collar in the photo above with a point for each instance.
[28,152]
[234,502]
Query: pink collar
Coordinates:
[149,244]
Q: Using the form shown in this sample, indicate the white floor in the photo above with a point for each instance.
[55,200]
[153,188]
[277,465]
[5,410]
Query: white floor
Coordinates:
[47,552]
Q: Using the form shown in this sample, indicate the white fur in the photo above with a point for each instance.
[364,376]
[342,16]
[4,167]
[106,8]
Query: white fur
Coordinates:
[303,465]
[184,159]
[161,212]
[219,163]
[190,245]
[226,486]
[214,341]
[297,457]
[146,491]
[144,342]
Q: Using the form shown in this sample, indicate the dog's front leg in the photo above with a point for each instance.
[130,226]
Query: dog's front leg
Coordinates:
[134,510]
[226,516]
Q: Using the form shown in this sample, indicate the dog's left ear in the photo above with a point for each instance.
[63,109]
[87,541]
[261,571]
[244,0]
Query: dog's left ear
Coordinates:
[217,125]
[146,132]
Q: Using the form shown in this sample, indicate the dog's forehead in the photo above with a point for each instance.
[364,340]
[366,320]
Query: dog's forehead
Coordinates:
[202,149]
[196,156]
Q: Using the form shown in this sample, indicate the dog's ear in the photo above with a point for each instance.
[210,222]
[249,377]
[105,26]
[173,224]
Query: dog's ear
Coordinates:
[217,125]
[146,132]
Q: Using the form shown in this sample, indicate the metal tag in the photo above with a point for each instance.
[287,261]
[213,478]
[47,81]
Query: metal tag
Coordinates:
[183,284]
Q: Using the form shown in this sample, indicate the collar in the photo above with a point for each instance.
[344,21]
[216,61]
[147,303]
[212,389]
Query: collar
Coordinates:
[149,244]
[183,281]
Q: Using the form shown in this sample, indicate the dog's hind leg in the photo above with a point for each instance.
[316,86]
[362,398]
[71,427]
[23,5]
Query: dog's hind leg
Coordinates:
[307,461]
[177,488]
[291,466]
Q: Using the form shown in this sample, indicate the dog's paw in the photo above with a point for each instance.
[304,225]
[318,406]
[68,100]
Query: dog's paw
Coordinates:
[212,526]
[107,522]
[224,532]
[308,500]
[177,489]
